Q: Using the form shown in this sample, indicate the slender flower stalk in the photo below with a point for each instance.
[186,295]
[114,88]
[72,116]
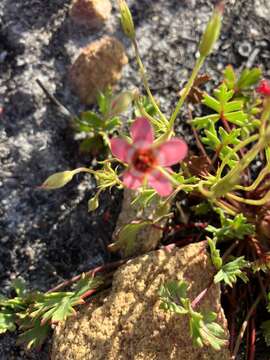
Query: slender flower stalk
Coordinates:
[195,72]
[145,81]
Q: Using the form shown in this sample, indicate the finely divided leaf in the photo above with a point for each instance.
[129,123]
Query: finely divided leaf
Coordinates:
[215,254]
[173,295]
[35,336]
[231,271]
[205,331]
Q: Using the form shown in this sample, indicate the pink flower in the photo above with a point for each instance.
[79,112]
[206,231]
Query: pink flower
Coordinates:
[264,87]
[144,157]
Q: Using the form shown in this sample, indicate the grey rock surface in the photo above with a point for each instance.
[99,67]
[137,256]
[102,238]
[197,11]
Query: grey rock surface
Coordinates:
[262,9]
[47,236]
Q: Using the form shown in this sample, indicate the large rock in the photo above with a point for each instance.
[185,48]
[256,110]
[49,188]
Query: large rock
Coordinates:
[90,13]
[128,324]
[98,66]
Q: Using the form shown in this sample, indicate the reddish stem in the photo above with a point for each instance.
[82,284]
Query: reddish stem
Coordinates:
[252,339]
[179,227]
[88,293]
[201,295]
[90,273]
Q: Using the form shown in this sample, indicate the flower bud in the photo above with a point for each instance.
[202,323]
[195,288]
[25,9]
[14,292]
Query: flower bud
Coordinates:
[57,180]
[212,31]
[121,102]
[93,203]
[126,19]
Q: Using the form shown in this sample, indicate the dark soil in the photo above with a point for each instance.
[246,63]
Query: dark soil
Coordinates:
[49,236]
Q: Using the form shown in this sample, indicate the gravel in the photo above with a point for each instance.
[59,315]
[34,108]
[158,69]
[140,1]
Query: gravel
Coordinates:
[48,236]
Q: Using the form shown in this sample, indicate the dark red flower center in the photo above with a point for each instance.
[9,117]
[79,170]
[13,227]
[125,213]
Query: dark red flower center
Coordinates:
[144,160]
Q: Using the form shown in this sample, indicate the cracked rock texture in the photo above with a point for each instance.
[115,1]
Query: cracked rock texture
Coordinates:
[128,324]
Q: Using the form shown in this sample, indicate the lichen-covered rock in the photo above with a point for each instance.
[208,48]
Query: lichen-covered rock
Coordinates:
[128,324]
[98,66]
[90,13]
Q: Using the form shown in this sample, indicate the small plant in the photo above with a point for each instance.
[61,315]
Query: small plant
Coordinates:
[233,133]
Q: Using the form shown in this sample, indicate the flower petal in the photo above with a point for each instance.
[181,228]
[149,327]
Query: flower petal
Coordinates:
[160,183]
[120,149]
[132,181]
[171,152]
[142,133]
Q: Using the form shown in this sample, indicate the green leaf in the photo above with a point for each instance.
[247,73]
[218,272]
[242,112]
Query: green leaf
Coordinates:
[232,228]
[235,105]
[237,117]
[172,295]
[35,336]
[211,102]
[248,78]
[58,306]
[223,94]
[103,100]
[7,321]
[205,331]
[230,77]
[91,119]
[231,111]
[144,198]
[204,122]
[147,106]
[215,254]
[112,124]
[265,327]
[231,271]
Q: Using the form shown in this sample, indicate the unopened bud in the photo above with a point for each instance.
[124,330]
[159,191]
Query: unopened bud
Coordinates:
[93,203]
[121,102]
[57,180]
[212,31]
[60,179]
[126,19]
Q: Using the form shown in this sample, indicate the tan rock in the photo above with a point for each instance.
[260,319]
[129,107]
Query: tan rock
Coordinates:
[98,66]
[148,237]
[128,324]
[90,13]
